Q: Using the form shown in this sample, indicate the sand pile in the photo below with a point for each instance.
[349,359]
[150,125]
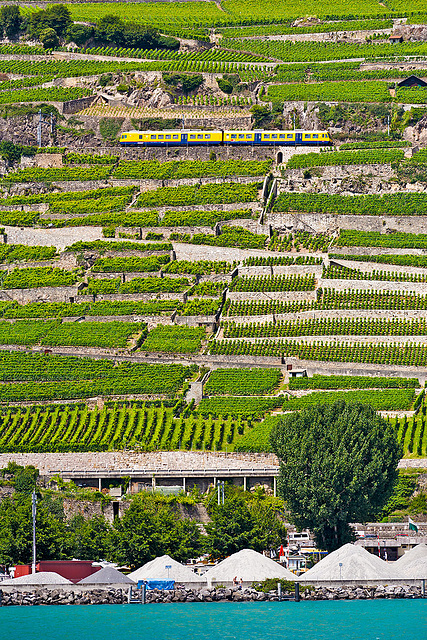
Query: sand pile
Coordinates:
[249,566]
[413,564]
[156,570]
[43,577]
[356,564]
[107,575]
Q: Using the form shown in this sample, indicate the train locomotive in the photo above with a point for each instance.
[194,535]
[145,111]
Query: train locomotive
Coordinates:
[191,137]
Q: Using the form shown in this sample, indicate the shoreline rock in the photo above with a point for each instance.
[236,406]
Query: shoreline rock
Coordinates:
[76,596]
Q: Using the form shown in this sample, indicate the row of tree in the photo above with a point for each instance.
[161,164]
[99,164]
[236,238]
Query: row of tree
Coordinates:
[54,25]
[151,526]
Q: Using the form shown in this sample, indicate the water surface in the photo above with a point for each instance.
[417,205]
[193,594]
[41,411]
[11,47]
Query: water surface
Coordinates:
[324,620]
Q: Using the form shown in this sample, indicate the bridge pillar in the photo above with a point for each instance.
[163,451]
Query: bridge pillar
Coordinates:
[183,485]
[275,486]
[244,483]
[153,483]
[100,484]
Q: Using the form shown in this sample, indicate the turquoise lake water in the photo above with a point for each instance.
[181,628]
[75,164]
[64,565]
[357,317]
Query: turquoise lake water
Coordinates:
[346,620]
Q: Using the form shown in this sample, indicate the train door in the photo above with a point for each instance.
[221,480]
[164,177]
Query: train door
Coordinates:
[298,138]
[184,138]
[257,138]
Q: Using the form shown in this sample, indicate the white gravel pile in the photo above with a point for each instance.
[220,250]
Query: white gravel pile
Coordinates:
[156,570]
[413,564]
[413,556]
[249,566]
[107,575]
[356,564]
[42,577]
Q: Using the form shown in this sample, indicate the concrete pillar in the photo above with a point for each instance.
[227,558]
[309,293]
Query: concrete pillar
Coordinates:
[183,485]
[153,483]
[214,482]
[100,484]
[275,486]
[244,483]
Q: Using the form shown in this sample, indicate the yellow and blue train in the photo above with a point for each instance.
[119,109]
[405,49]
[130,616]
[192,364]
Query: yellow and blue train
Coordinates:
[184,137]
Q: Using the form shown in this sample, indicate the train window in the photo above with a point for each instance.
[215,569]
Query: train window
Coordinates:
[233,136]
[175,137]
[267,136]
[274,136]
[315,135]
[207,137]
[241,135]
[200,136]
[161,137]
[281,136]
[290,135]
[153,137]
[140,137]
[167,137]
[192,137]
[248,136]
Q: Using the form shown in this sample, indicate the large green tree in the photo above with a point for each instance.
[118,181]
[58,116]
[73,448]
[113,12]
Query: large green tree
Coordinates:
[56,17]
[244,521]
[10,20]
[89,539]
[338,464]
[16,530]
[151,527]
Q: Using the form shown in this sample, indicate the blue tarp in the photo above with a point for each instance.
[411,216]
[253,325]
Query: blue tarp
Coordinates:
[163,585]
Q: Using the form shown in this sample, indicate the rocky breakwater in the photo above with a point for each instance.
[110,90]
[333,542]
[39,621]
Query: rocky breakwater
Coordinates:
[234,594]
[74,595]
[361,592]
[31,597]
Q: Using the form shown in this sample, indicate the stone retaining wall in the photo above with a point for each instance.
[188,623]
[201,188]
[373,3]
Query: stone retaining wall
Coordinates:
[329,313]
[369,267]
[332,223]
[373,285]
[40,294]
[284,296]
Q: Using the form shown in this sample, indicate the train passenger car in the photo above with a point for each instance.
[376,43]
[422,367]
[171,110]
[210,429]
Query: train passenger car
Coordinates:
[282,138]
[172,138]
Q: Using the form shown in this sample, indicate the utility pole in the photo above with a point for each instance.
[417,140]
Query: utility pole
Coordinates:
[34,513]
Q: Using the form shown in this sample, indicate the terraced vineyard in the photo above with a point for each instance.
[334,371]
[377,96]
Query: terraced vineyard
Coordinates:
[193,294]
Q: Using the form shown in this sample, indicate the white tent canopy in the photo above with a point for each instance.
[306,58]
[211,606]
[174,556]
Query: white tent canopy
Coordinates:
[351,563]
[157,569]
[42,577]
[249,566]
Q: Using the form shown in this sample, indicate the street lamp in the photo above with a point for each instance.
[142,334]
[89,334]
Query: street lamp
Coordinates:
[34,513]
